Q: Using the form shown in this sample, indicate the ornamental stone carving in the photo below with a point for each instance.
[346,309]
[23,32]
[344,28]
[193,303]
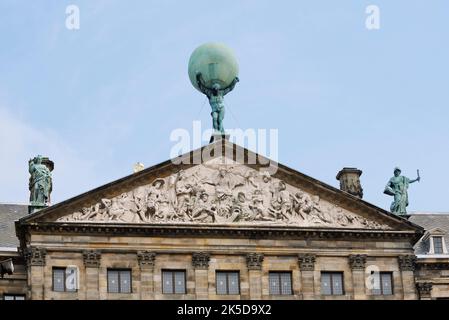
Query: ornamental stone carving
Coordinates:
[146,258]
[424,289]
[407,262]
[221,193]
[254,261]
[35,256]
[200,260]
[357,261]
[306,262]
[92,259]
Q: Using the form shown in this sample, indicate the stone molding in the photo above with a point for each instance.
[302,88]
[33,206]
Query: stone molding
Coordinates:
[407,262]
[92,258]
[254,261]
[424,289]
[35,256]
[357,261]
[146,258]
[306,262]
[200,260]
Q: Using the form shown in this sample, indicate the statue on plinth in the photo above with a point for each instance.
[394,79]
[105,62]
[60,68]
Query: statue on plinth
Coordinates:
[397,186]
[213,70]
[40,183]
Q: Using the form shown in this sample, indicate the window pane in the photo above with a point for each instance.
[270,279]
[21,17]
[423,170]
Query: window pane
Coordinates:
[274,283]
[20,297]
[387,286]
[180,282]
[233,283]
[438,245]
[125,281]
[221,283]
[286,283]
[167,282]
[376,283]
[58,280]
[337,283]
[113,284]
[5,297]
[326,283]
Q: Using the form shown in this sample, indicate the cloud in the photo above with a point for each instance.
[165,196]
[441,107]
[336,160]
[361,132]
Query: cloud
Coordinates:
[20,141]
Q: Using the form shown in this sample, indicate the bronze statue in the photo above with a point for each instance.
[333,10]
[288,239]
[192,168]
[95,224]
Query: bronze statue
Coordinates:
[397,187]
[40,184]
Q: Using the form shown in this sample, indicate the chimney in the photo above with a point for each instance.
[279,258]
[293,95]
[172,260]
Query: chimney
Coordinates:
[350,181]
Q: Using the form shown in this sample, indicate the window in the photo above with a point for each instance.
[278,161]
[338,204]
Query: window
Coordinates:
[173,281]
[438,245]
[383,284]
[119,281]
[280,283]
[64,279]
[332,283]
[227,282]
[13,297]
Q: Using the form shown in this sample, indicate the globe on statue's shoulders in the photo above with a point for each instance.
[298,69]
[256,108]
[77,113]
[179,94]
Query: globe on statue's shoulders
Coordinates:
[216,63]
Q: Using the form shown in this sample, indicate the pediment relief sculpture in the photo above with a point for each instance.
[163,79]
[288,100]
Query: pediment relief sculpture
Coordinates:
[217,193]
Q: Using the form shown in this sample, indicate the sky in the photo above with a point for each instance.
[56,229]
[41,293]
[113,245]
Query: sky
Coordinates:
[99,99]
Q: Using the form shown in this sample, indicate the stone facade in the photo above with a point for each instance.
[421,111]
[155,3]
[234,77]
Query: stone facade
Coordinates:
[313,231]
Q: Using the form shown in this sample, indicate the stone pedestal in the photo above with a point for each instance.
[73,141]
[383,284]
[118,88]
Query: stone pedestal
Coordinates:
[219,136]
[254,264]
[200,262]
[307,267]
[92,260]
[146,263]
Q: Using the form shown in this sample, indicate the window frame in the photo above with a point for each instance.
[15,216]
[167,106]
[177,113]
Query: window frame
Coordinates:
[331,283]
[173,285]
[64,269]
[441,238]
[279,273]
[119,271]
[227,273]
[381,292]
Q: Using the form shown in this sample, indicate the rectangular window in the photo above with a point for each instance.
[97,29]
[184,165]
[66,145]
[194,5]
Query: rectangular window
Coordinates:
[173,281]
[119,280]
[64,279]
[437,245]
[13,297]
[280,283]
[227,282]
[383,284]
[332,283]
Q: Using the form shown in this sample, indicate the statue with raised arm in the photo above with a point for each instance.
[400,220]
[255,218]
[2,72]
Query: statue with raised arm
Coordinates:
[216,101]
[397,187]
[40,184]
[213,70]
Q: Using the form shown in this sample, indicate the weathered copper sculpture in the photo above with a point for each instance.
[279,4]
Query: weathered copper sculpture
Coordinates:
[397,187]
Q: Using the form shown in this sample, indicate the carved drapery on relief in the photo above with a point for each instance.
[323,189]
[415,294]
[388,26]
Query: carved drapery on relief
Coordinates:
[357,261]
[200,260]
[35,256]
[217,193]
[407,262]
[306,262]
[146,258]
[92,258]
[424,289]
[254,261]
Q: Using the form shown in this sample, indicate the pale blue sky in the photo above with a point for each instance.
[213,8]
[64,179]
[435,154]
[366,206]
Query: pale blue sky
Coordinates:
[99,99]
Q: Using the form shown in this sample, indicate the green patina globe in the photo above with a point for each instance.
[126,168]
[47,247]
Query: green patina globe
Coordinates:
[217,65]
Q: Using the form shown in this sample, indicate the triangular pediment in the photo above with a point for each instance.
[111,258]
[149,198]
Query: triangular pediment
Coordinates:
[221,191]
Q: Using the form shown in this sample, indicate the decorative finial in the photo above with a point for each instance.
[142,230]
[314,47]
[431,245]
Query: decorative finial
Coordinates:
[213,70]
[138,167]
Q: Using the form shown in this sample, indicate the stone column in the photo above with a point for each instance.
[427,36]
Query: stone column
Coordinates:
[254,264]
[424,290]
[357,263]
[307,268]
[407,267]
[35,258]
[200,262]
[92,260]
[146,262]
